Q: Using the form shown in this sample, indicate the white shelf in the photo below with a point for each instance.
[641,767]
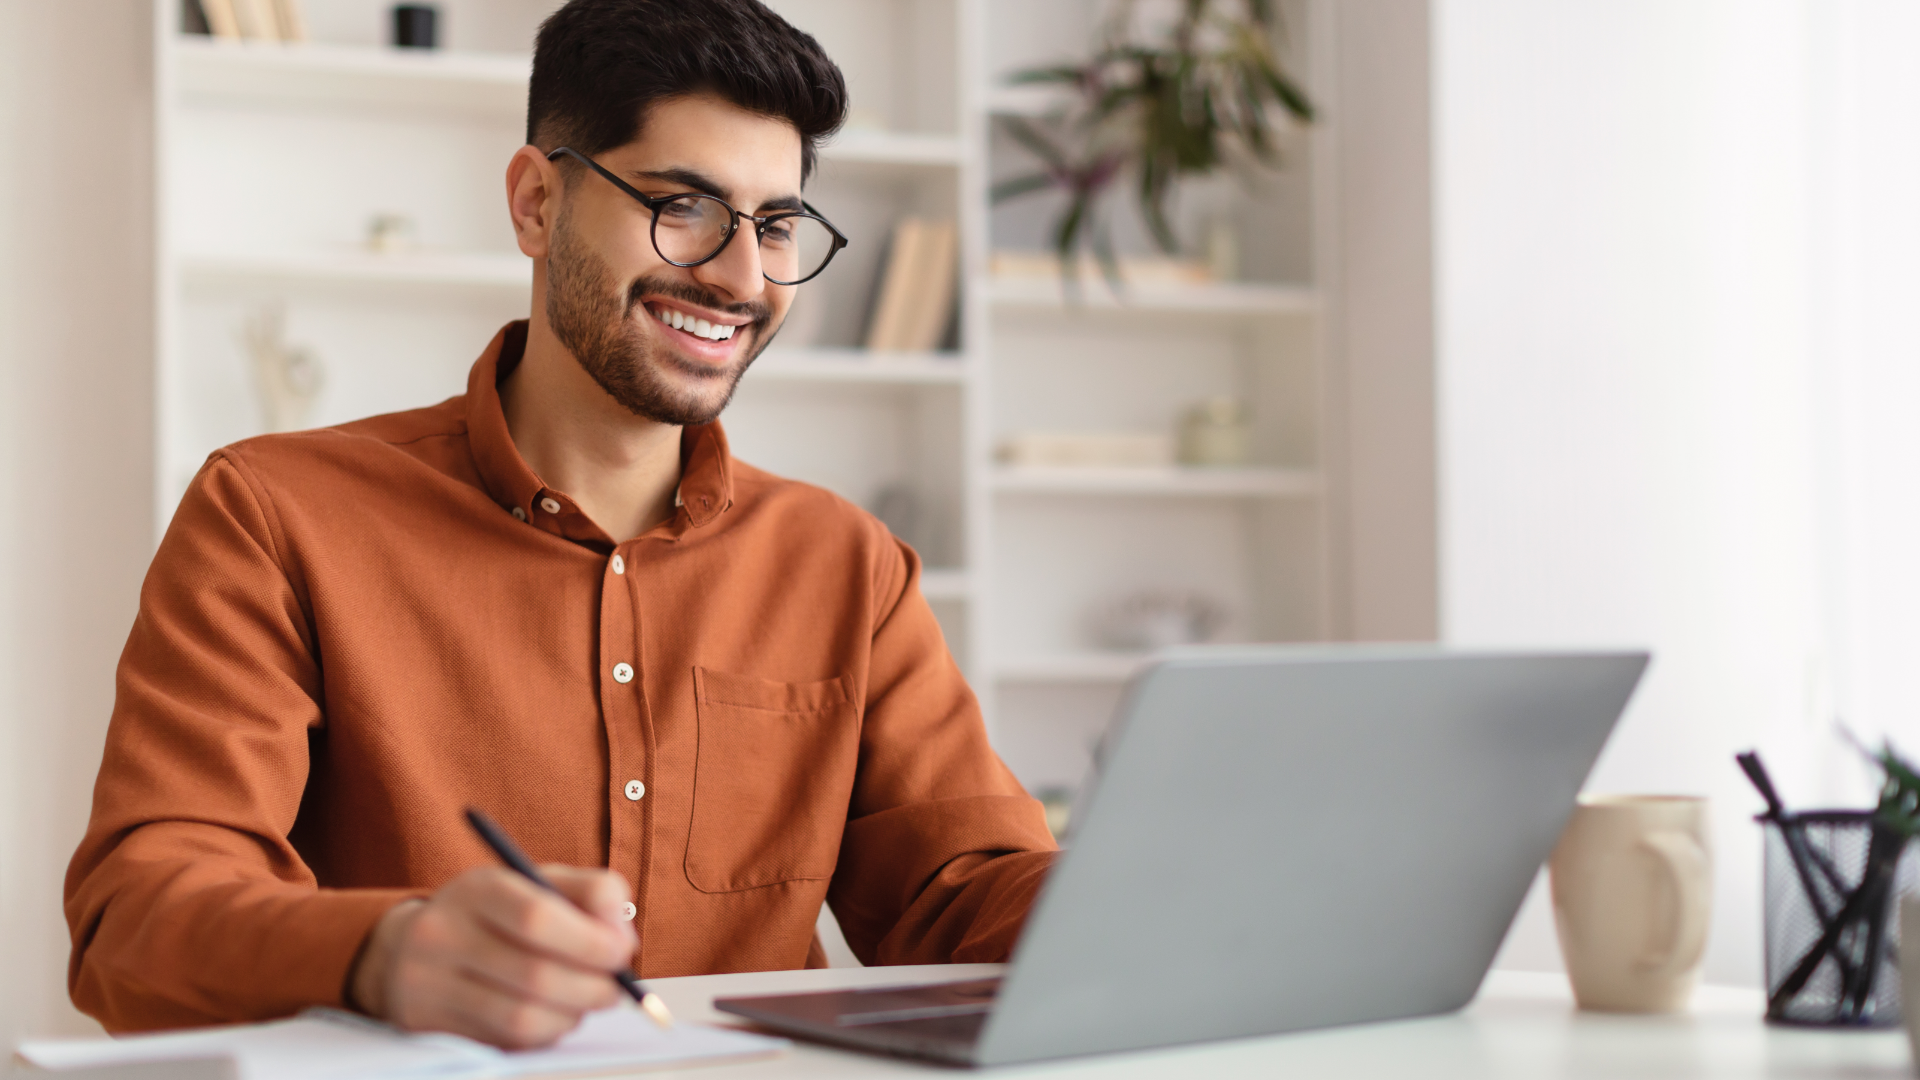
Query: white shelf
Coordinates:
[481,84]
[939,584]
[352,76]
[1209,482]
[866,146]
[356,266]
[859,366]
[1028,99]
[1227,298]
[1089,667]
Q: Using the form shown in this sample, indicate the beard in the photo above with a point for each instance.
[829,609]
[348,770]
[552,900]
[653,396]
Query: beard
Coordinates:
[596,323]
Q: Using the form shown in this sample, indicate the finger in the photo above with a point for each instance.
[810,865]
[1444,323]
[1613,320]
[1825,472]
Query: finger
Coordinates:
[601,893]
[543,922]
[556,984]
[480,1010]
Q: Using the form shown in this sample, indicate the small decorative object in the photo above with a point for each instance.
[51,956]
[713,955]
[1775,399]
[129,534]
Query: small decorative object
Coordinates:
[898,508]
[1216,432]
[1087,449]
[416,26]
[1148,621]
[288,378]
[1832,877]
[1223,249]
[389,233]
[1180,101]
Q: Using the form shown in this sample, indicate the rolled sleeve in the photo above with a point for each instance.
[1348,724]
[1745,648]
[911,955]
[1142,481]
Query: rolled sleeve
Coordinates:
[186,900]
[944,852]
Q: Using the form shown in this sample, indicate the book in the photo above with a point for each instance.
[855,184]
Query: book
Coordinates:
[887,327]
[292,16]
[915,301]
[258,21]
[326,1044]
[932,306]
[222,21]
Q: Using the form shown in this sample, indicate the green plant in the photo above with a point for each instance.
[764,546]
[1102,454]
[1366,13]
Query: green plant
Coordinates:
[1201,95]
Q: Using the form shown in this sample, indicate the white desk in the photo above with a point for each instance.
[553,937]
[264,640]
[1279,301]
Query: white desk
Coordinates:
[1522,1026]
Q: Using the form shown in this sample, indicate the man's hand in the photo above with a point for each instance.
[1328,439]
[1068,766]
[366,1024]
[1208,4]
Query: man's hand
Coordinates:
[494,957]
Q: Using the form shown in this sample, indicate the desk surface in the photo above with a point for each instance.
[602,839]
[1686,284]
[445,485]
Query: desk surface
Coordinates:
[1522,1026]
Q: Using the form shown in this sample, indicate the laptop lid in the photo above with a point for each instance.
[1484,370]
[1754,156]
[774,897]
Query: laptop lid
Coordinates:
[1284,838]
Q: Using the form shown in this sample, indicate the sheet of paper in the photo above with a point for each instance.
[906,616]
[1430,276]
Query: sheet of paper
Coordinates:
[325,1045]
[312,1047]
[624,1038]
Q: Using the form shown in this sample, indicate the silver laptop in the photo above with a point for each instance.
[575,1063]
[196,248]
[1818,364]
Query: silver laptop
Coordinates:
[1278,838]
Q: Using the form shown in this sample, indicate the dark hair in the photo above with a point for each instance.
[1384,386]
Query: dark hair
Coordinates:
[599,65]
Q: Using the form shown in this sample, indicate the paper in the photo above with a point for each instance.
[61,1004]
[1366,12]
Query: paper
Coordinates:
[324,1045]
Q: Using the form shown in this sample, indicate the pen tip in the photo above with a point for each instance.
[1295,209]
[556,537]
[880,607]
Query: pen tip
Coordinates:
[654,1007]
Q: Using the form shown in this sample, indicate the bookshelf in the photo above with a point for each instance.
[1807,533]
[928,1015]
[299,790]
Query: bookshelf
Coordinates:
[273,159]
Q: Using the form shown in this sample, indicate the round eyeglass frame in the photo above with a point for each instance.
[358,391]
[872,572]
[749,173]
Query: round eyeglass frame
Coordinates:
[654,203]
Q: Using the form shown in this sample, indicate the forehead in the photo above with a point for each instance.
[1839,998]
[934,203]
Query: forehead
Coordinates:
[754,156]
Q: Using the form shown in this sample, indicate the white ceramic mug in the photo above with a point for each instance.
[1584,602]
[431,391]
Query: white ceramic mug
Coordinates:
[1632,892]
[1910,970]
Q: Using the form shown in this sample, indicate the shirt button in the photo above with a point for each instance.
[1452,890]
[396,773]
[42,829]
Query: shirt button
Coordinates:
[628,911]
[635,789]
[619,565]
[550,504]
[519,513]
[622,673]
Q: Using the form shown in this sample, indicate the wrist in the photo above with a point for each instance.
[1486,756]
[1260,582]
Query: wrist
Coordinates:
[367,984]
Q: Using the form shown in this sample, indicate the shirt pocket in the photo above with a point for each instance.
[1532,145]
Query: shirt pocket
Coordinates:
[773,777]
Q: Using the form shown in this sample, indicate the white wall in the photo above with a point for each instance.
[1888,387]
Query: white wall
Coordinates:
[76,303]
[1381,257]
[1675,405]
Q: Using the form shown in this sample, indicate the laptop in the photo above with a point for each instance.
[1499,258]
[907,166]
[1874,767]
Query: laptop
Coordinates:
[1277,838]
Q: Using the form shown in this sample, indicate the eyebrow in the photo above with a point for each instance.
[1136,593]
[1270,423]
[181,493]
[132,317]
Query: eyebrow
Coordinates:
[706,185]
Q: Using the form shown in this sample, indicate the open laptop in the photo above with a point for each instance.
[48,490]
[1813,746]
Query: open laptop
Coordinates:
[1278,838]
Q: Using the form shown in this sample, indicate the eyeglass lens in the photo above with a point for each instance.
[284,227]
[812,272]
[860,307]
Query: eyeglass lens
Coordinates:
[691,228]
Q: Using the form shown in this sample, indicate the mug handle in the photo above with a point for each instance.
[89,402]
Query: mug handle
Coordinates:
[1684,862]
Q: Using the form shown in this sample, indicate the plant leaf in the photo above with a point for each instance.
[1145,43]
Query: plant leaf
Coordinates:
[1014,187]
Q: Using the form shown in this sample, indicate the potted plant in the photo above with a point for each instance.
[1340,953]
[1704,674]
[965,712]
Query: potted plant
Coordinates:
[1202,93]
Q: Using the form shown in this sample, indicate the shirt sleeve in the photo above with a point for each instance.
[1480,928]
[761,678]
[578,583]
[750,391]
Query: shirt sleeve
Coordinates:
[944,851]
[186,901]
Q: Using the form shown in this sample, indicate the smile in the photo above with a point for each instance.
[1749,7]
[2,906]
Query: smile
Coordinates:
[697,327]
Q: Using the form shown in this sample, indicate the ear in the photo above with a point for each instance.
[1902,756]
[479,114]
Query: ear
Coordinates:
[533,200]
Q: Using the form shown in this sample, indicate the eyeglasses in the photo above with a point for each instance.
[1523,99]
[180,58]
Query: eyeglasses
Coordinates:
[691,228]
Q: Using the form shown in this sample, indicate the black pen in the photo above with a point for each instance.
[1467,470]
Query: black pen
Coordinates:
[510,853]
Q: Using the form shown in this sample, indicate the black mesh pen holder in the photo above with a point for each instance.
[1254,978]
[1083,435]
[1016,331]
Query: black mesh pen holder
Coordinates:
[1833,883]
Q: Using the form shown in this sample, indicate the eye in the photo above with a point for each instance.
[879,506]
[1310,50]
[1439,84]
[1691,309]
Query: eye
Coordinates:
[777,233]
[681,210]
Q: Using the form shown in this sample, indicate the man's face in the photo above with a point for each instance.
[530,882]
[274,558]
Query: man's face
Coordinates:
[610,295]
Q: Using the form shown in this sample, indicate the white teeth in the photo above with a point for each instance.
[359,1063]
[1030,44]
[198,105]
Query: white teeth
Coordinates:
[698,327]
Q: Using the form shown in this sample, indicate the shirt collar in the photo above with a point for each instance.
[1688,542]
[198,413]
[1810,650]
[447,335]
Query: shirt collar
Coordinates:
[706,466]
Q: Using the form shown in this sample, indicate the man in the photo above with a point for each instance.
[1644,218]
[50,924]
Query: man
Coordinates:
[558,599]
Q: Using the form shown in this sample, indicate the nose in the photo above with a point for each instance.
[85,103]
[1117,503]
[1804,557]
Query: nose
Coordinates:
[736,270]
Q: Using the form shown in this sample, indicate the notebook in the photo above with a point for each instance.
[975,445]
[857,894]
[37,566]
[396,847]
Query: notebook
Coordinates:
[324,1044]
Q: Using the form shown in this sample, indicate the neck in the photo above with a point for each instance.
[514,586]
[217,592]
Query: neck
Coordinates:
[621,469]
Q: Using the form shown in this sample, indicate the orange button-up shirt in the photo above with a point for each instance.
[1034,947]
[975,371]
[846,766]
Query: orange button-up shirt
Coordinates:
[349,635]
